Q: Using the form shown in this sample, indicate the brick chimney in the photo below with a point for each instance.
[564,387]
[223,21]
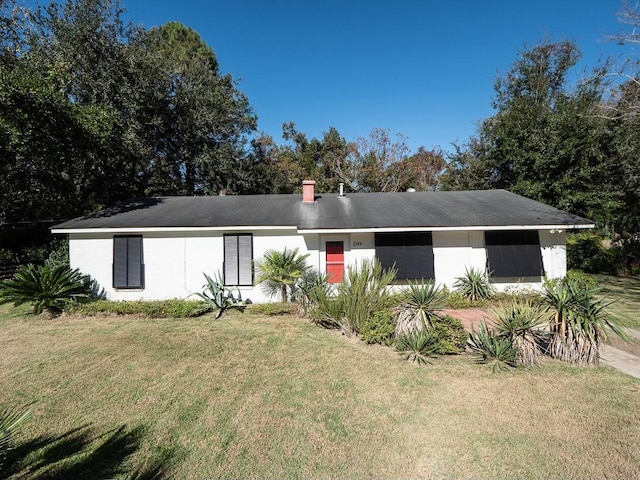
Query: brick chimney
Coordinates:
[308,191]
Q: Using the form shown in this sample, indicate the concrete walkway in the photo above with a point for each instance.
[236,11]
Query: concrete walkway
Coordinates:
[623,361]
[611,356]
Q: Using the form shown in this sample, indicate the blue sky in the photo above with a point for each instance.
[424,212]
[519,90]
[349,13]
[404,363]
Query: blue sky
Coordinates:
[421,68]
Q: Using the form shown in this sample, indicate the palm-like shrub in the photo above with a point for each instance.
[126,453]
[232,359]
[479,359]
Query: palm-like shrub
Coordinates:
[579,321]
[492,349]
[521,321]
[278,271]
[418,307]
[10,420]
[418,346]
[46,287]
[474,285]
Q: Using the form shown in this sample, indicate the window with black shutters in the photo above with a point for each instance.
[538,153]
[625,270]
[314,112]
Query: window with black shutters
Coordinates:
[410,252]
[238,260]
[514,253]
[128,266]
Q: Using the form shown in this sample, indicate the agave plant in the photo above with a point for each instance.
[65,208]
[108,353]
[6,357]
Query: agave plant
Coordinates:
[418,307]
[579,321]
[492,349]
[46,287]
[278,271]
[522,322]
[220,297]
[474,285]
[418,346]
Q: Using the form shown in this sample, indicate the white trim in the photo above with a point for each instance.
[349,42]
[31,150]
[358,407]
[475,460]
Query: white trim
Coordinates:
[447,229]
[230,228]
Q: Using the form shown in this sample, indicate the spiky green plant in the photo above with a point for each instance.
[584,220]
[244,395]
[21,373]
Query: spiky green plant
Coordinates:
[474,285]
[307,288]
[492,349]
[46,287]
[418,346]
[522,322]
[364,291]
[10,420]
[220,297]
[327,309]
[278,271]
[418,307]
[579,321]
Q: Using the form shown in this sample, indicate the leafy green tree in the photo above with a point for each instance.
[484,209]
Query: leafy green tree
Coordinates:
[203,118]
[94,110]
[543,142]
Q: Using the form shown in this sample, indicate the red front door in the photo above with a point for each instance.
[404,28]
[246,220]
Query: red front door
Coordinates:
[335,261]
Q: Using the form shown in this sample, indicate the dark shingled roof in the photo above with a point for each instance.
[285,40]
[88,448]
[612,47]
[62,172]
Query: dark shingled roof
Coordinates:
[480,208]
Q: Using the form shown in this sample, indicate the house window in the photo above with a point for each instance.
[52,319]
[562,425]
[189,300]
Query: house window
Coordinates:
[410,252]
[238,260]
[128,266]
[514,253]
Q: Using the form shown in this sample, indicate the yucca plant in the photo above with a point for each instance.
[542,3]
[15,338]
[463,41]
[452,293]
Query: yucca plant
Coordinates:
[220,297]
[326,308]
[474,285]
[10,420]
[46,287]
[418,346]
[579,321]
[522,322]
[364,291]
[418,307]
[492,349]
[307,288]
[278,271]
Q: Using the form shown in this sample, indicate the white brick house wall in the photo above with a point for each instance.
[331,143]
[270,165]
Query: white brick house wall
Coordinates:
[175,261]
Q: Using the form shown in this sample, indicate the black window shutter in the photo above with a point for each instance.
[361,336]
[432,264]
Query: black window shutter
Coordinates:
[514,253]
[128,269]
[238,259]
[120,262]
[231,260]
[245,257]
[410,252]
[134,266]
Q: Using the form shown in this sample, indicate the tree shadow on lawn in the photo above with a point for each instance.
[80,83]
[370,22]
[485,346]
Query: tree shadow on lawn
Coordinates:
[83,453]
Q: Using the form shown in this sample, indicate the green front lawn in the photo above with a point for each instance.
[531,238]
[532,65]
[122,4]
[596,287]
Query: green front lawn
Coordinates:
[256,396]
[625,291]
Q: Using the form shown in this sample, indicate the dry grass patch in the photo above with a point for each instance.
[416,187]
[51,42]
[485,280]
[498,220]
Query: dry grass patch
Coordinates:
[251,396]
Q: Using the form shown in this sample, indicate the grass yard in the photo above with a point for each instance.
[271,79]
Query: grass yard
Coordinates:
[625,291]
[256,396]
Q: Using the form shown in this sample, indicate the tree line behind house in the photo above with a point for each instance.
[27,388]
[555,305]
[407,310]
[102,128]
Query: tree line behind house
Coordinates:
[94,110]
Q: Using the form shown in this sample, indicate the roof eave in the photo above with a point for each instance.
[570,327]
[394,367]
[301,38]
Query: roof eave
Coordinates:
[559,227]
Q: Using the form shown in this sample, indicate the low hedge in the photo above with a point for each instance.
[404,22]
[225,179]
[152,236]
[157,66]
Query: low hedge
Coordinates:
[153,309]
